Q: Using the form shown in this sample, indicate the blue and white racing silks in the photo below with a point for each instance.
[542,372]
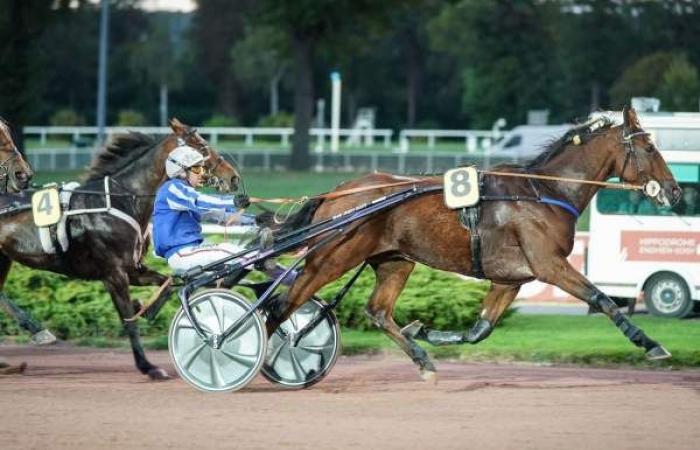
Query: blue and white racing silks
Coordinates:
[178,211]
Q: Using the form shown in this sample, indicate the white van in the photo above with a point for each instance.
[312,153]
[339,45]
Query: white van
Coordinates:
[526,141]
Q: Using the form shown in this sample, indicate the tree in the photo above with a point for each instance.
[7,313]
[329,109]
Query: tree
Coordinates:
[261,59]
[155,58]
[595,39]
[506,53]
[666,75]
[21,77]
[679,89]
[307,24]
[217,25]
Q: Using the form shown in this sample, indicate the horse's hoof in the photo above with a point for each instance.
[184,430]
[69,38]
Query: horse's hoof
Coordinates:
[658,353]
[429,376]
[44,337]
[158,374]
[13,370]
[413,329]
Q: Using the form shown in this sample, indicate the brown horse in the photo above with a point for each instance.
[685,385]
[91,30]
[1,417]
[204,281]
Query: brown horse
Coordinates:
[521,240]
[15,172]
[104,246]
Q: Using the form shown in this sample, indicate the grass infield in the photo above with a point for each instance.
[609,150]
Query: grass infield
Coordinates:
[547,339]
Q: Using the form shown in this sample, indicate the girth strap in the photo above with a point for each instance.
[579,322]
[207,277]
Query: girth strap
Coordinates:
[470,219]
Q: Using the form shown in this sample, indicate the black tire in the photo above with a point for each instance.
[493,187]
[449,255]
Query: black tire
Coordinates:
[667,295]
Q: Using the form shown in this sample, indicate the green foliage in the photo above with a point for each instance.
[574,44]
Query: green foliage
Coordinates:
[641,79]
[667,75]
[281,119]
[130,118]
[438,299]
[220,120]
[506,56]
[66,117]
[680,88]
[76,309]
[73,308]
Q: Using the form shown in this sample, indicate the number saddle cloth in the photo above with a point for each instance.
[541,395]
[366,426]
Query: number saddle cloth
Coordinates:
[54,237]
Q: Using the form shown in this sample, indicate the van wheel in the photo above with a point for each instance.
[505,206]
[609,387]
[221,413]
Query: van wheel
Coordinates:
[667,295]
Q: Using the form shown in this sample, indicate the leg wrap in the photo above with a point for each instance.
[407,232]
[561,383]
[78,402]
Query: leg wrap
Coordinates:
[631,332]
[479,331]
[23,318]
[634,334]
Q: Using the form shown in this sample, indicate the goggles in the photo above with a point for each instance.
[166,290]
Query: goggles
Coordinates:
[197,170]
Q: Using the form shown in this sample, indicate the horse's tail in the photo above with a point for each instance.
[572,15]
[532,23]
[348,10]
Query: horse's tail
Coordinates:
[293,222]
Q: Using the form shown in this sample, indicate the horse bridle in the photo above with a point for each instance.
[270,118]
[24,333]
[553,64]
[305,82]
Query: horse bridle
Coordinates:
[206,149]
[631,151]
[5,167]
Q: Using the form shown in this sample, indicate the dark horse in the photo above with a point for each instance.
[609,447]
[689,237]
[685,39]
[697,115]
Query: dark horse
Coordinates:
[15,172]
[103,246]
[521,240]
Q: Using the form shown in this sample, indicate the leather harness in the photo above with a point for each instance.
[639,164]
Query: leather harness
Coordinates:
[470,217]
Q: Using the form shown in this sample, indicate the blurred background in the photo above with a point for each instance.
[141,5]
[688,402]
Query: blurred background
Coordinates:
[443,77]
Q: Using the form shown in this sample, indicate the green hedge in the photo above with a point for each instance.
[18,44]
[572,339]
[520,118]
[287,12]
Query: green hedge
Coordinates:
[75,308]
[439,299]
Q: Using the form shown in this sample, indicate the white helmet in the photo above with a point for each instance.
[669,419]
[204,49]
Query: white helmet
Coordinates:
[181,159]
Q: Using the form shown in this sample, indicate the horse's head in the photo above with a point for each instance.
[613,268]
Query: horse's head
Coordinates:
[15,172]
[222,174]
[637,160]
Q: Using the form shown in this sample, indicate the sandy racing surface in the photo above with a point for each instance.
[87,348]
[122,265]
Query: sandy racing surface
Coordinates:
[88,398]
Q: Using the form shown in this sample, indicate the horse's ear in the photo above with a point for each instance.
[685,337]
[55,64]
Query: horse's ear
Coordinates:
[631,121]
[178,127]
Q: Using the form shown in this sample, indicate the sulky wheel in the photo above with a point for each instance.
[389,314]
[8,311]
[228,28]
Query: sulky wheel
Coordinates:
[308,362]
[237,361]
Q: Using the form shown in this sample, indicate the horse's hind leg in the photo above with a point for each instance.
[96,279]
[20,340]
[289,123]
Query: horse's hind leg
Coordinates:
[118,286]
[40,335]
[497,300]
[391,279]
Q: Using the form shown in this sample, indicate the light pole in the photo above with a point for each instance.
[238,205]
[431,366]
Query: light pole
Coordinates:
[335,111]
[102,73]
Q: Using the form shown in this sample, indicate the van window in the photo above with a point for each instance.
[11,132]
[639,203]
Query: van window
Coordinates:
[635,203]
[513,141]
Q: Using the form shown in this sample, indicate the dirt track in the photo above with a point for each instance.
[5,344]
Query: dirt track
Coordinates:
[87,398]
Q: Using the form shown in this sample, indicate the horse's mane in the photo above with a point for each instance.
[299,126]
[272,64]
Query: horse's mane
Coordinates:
[123,149]
[584,131]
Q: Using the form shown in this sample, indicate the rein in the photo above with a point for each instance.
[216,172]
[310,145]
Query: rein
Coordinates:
[344,192]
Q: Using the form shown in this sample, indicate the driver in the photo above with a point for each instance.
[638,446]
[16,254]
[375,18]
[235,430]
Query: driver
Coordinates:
[179,210]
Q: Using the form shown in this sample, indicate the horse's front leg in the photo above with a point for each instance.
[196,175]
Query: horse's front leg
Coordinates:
[40,335]
[557,271]
[117,285]
[497,300]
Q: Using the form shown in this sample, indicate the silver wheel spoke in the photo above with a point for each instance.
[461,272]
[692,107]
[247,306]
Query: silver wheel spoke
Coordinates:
[293,321]
[216,377]
[276,354]
[246,360]
[296,365]
[316,349]
[192,355]
[218,313]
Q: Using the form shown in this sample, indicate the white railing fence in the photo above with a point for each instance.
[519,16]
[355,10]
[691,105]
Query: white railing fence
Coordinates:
[352,137]
[472,140]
